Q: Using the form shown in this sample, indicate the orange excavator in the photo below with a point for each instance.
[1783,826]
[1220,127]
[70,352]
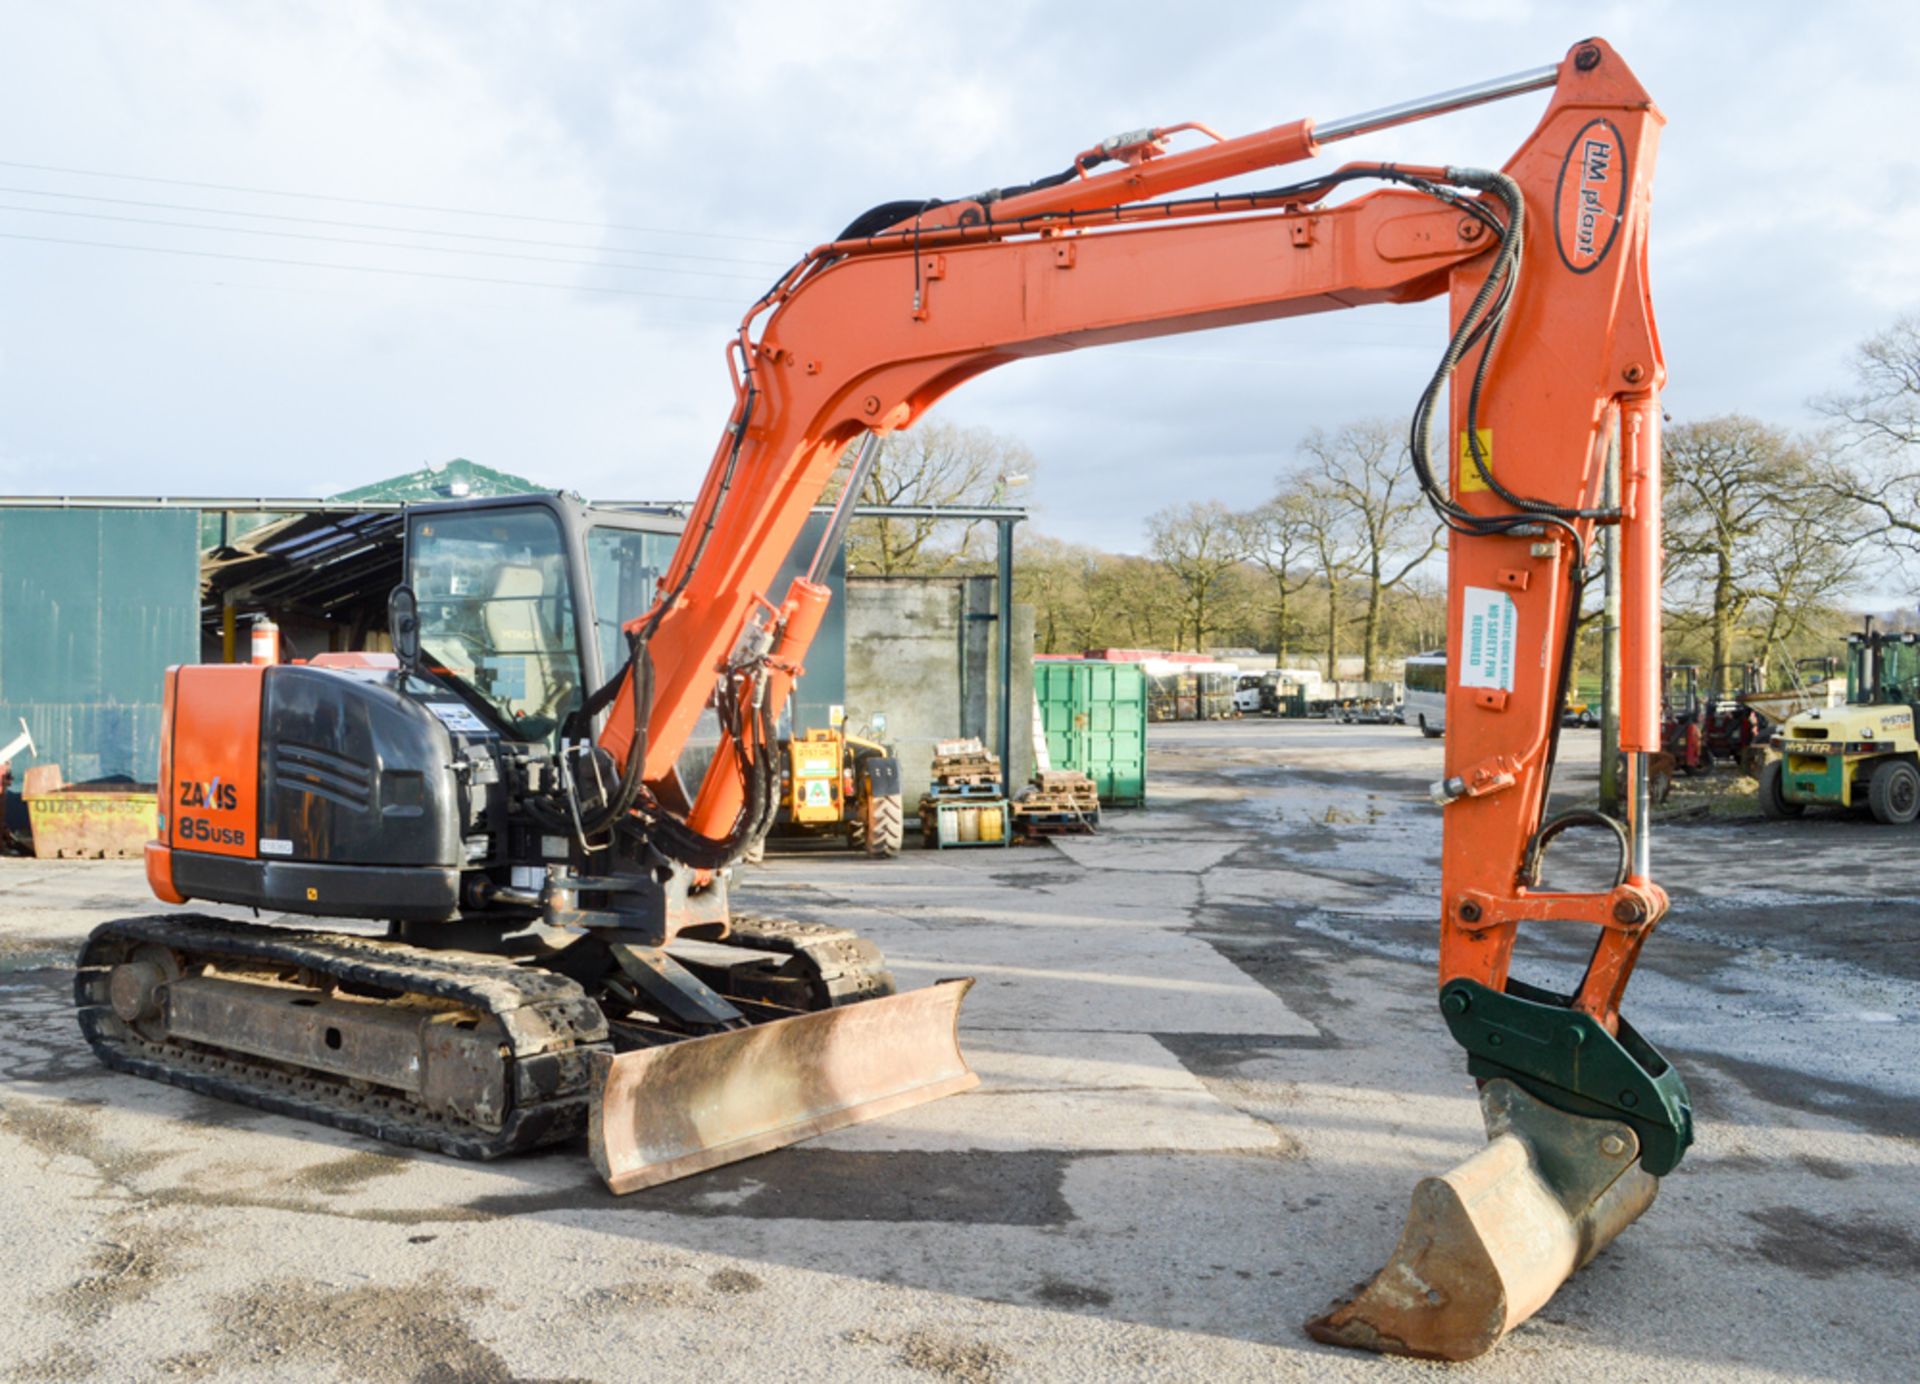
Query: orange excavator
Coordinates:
[512,795]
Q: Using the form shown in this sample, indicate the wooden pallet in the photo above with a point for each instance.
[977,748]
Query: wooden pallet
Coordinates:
[1033,825]
[984,778]
[1081,801]
[965,764]
[966,788]
[966,759]
[1057,792]
[1055,807]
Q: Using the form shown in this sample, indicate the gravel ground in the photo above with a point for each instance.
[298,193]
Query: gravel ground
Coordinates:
[1212,1073]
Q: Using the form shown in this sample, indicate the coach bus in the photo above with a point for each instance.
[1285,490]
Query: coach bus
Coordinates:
[1426,679]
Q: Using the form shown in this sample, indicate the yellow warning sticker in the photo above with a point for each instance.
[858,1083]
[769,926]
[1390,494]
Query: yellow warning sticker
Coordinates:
[1470,478]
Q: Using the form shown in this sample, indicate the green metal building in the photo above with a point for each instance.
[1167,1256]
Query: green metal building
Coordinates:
[94,604]
[99,596]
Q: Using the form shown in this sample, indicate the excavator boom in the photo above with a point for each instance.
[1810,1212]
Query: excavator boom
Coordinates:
[1554,368]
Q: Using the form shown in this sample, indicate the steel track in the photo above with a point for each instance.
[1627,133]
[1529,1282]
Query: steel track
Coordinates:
[550,1023]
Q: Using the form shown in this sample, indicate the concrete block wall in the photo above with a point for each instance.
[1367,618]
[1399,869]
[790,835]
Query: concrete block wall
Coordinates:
[915,657]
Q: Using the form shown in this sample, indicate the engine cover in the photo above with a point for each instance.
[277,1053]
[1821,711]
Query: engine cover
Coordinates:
[313,789]
[353,772]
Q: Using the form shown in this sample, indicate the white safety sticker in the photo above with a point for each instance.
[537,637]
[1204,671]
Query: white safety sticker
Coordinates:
[820,793]
[270,845]
[454,716]
[1490,627]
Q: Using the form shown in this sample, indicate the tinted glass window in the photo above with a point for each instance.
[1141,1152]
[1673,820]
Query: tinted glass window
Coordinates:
[1426,677]
[496,611]
[621,566]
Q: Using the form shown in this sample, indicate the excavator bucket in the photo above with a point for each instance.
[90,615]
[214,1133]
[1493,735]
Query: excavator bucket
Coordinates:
[661,1113]
[1489,1242]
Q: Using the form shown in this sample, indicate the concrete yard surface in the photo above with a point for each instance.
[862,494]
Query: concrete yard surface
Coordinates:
[1213,1070]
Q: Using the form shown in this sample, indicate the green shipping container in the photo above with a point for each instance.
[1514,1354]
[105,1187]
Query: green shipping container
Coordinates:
[1095,718]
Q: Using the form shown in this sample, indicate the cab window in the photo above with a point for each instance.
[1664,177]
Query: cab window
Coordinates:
[496,612]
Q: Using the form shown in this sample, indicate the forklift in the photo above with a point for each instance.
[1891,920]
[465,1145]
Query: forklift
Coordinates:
[1862,751]
[1684,714]
[834,783]
[1733,727]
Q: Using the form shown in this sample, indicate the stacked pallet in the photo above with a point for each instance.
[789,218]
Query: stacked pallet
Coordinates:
[966,804]
[965,764]
[1059,802]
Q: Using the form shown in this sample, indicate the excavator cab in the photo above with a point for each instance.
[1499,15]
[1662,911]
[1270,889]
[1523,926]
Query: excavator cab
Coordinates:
[521,600]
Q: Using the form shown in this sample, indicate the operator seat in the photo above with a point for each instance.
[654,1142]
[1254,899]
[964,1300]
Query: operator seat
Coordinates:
[521,627]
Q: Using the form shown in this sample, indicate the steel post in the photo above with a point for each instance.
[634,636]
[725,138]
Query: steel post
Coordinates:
[1004,619]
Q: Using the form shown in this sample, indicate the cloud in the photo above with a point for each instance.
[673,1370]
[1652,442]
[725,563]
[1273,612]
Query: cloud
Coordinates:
[685,143]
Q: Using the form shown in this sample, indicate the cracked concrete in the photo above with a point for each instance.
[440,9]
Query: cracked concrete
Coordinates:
[1212,1071]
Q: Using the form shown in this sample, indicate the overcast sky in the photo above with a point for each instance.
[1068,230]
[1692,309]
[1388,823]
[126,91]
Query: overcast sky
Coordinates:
[645,169]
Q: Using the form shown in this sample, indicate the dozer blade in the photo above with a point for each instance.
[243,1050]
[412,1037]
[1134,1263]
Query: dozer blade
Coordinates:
[1489,1242]
[661,1113]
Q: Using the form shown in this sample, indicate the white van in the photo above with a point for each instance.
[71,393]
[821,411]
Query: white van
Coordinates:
[1250,698]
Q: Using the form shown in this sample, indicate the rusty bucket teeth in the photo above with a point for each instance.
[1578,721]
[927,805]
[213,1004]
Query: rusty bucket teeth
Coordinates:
[1489,1242]
[662,1113]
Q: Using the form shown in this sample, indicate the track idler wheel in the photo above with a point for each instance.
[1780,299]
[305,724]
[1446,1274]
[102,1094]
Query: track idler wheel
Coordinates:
[1489,1242]
[137,989]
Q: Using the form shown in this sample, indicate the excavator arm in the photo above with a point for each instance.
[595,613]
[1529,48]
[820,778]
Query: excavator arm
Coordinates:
[1554,368]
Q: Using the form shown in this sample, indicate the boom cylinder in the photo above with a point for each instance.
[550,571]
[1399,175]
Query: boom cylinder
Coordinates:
[1420,108]
[1640,576]
[720,796]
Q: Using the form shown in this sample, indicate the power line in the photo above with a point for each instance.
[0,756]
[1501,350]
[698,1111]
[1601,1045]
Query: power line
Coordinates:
[381,226]
[333,292]
[381,244]
[366,269]
[374,202]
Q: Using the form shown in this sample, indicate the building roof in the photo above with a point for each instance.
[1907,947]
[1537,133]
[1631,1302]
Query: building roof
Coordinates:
[315,563]
[458,479]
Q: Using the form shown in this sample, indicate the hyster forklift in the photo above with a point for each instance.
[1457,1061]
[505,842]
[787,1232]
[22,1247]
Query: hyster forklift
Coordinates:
[561,955]
[1862,751]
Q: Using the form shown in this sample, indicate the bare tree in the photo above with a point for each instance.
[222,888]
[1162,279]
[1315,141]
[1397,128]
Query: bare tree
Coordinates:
[1750,528]
[1802,572]
[1277,538]
[1083,598]
[934,463]
[1363,471]
[1330,543]
[1883,408]
[1133,602]
[1877,427]
[1199,545]
[1418,613]
[1050,576]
